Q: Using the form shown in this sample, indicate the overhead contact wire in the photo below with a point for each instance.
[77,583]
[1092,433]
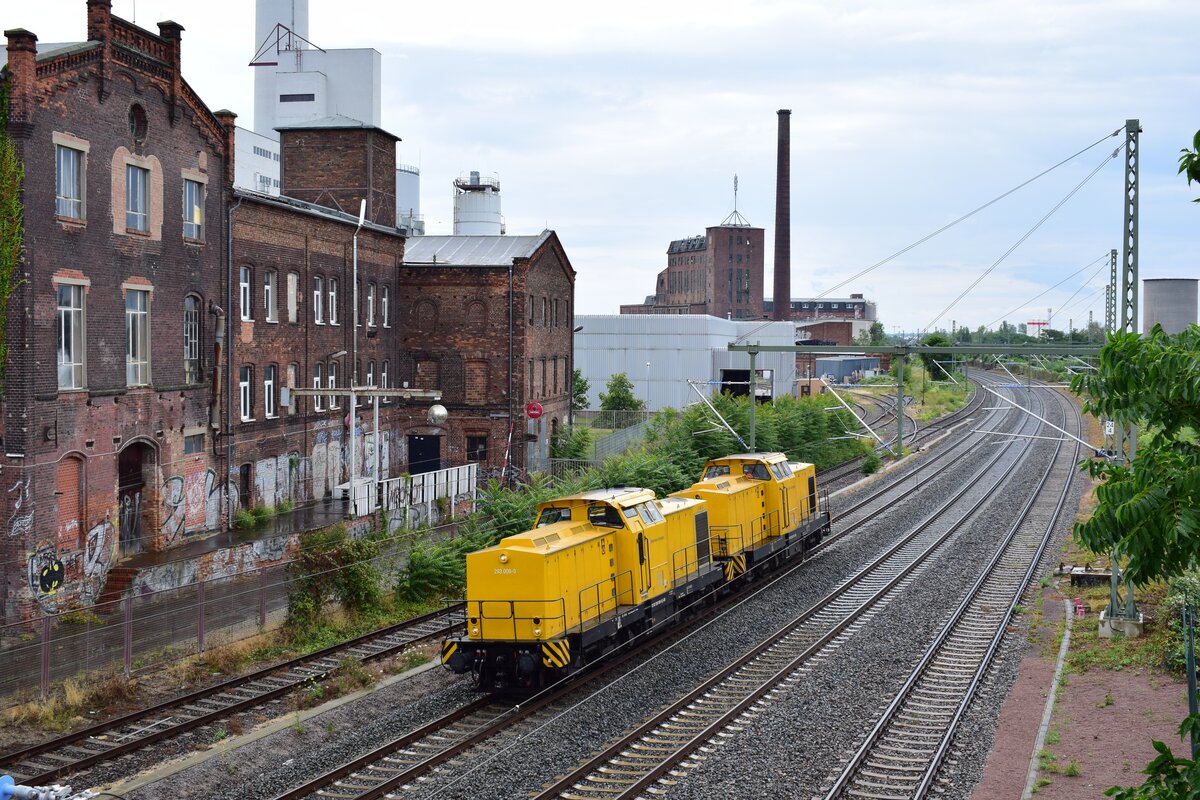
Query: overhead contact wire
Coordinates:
[967,216]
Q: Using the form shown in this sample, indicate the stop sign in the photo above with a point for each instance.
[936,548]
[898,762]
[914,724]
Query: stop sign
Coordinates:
[533,410]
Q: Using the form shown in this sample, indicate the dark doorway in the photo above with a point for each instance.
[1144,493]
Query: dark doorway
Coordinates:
[424,454]
[134,463]
[244,486]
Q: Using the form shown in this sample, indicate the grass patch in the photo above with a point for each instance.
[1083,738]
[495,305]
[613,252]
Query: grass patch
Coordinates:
[76,698]
[1072,769]
[1053,737]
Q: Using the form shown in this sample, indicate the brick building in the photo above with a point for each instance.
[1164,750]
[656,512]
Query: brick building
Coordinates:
[489,319]
[159,317]
[719,274]
[109,327]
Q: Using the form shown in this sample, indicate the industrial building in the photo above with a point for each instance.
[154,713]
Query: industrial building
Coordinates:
[660,354]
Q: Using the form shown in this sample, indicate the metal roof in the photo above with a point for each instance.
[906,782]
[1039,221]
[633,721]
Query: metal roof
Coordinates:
[47,50]
[471,251]
[283,201]
[335,122]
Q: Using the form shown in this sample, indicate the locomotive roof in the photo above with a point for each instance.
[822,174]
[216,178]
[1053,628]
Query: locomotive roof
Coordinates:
[618,495]
[766,458]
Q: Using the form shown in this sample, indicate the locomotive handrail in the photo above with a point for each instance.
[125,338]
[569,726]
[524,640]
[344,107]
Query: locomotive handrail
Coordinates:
[690,566]
[480,606]
[613,598]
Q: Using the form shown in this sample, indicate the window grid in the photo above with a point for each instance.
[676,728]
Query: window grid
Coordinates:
[269,297]
[331,383]
[68,184]
[333,306]
[293,297]
[370,305]
[70,336]
[270,377]
[193,209]
[191,339]
[137,328]
[293,376]
[383,306]
[244,292]
[245,396]
[318,300]
[318,374]
[383,380]
[137,180]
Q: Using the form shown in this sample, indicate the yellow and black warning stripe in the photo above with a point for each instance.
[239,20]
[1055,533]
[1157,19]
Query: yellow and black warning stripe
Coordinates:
[556,655]
[449,648]
[734,566]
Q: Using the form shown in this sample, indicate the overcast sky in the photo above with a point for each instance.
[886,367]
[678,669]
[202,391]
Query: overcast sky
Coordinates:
[620,125]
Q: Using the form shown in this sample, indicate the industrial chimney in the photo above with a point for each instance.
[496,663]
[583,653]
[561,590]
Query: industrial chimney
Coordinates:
[783,220]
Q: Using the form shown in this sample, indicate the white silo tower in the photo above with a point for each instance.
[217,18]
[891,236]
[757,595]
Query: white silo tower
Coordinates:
[268,42]
[477,206]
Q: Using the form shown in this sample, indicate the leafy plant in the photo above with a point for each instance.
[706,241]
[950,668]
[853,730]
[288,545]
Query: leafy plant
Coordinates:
[12,226]
[871,463]
[1169,776]
[243,519]
[331,565]
[262,513]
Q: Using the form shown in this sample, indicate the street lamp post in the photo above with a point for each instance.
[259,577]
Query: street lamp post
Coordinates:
[647,386]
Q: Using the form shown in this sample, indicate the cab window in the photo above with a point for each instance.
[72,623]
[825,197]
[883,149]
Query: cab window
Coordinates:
[604,516]
[716,471]
[549,516]
[756,471]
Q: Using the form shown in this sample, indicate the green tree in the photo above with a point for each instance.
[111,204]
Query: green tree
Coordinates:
[618,398]
[1189,163]
[1148,510]
[872,336]
[579,391]
[939,340]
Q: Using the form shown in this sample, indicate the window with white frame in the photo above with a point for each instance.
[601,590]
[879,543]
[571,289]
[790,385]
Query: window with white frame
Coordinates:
[137,329]
[293,297]
[318,300]
[333,306]
[371,374]
[245,392]
[191,339]
[70,336]
[293,377]
[68,181]
[137,198]
[318,376]
[193,209]
[370,305]
[383,305]
[270,297]
[270,379]
[383,380]
[244,292]
[331,383]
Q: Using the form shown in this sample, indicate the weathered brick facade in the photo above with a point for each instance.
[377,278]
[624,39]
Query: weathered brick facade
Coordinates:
[458,320]
[90,458]
[159,316]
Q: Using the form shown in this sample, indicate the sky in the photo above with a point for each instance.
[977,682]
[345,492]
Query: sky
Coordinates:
[620,125]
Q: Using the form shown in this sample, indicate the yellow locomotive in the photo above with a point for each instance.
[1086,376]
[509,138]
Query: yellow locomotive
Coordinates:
[603,566]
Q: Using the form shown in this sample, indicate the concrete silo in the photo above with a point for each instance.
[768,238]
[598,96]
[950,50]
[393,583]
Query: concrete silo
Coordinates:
[1169,302]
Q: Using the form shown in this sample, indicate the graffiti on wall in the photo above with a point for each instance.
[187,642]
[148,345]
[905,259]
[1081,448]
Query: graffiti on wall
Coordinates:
[20,522]
[97,555]
[193,502]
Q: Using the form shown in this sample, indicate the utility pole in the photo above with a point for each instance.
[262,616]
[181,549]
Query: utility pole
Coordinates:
[753,355]
[1122,612]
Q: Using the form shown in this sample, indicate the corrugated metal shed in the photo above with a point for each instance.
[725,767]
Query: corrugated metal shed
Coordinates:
[678,348]
[471,251]
[842,367]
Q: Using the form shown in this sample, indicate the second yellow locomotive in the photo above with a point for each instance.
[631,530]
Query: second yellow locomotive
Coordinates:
[605,565]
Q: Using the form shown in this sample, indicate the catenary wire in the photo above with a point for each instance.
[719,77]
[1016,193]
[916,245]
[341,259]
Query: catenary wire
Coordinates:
[1004,317]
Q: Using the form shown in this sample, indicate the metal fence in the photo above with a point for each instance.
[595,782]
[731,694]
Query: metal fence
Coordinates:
[611,420]
[430,498]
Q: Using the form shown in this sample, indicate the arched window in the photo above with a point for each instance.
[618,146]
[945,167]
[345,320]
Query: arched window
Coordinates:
[318,300]
[191,339]
[270,384]
[271,295]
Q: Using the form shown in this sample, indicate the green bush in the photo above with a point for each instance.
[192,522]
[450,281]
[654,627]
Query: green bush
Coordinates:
[262,513]
[871,463]
[332,565]
[285,507]
[243,519]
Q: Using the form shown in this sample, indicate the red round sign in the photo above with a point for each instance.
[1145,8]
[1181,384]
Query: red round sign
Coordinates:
[533,410]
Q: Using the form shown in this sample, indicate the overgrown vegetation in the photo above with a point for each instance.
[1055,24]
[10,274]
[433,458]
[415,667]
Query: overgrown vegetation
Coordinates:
[332,565]
[66,708]
[12,223]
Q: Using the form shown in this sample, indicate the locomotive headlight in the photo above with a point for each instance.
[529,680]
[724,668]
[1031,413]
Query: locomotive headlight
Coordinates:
[504,558]
[475,631]
[537,631]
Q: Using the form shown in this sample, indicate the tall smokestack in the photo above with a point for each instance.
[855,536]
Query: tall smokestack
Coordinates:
[783,219]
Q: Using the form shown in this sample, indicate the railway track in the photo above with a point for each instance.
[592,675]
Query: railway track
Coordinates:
[902,754]
[650,753]
[46,762]
[446,744]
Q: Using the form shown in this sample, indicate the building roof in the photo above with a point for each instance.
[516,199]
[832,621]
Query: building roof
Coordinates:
[335,122]
[52,50]
[472,251]
[688,245]
[312,209]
